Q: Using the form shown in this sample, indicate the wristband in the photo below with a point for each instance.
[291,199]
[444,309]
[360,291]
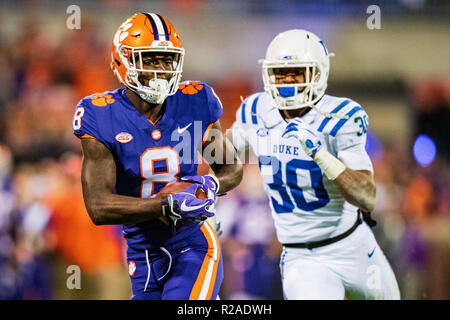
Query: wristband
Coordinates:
[330,165]
[215,180]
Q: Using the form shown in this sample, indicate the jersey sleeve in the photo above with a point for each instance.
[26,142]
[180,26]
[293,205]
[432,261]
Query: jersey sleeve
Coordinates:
[239,131]
[249,119]
[214,105]
[351,141]
[84,122]
[215,111]
[90,121]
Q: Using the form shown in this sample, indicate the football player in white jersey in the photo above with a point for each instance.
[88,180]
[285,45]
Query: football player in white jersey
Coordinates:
[318,177]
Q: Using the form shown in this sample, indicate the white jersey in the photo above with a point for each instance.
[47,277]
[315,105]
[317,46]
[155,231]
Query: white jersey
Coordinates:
[306,206]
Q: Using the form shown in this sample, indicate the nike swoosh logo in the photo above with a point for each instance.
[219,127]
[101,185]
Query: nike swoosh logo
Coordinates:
[184,250]
[370,254]
[184,207]
[181,130]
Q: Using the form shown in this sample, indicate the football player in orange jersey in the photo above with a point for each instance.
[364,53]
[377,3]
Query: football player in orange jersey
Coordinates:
[131,145]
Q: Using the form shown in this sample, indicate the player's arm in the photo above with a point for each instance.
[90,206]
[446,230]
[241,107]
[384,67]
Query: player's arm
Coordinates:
[98,178]
[220,154]
[357,187]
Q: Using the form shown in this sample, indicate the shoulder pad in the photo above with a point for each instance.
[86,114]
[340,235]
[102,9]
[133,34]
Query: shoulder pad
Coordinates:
[191,87]
[99,99]
[349,117]
[201,101]
[257,110]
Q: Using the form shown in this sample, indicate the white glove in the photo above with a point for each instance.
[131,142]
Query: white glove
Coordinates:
[297,129]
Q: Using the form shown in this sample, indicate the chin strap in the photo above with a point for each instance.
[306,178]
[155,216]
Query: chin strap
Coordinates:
[329,115]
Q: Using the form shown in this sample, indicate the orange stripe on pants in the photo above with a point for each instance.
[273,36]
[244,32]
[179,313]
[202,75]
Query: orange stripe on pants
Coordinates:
[216,263]
[206,278]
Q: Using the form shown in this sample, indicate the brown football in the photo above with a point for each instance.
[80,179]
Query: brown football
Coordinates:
[180,186]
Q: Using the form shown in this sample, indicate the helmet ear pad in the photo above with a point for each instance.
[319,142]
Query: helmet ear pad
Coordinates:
[296,49]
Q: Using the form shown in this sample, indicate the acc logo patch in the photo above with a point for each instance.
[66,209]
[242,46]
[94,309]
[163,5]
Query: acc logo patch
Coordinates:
[102,100]
[131,268]
[124,137]
[190,87]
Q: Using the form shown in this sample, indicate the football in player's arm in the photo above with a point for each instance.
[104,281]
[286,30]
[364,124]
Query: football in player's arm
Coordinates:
[98,179]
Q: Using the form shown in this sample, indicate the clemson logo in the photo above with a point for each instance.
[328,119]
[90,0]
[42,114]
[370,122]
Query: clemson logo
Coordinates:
[190,87]
[124,137]
[156,134]
[131,268]
[102,100]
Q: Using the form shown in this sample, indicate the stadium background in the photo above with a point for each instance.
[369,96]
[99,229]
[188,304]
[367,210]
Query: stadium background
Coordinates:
[400,74]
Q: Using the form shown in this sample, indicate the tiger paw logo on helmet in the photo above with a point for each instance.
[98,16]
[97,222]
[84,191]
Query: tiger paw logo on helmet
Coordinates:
[102,100]
[190,87]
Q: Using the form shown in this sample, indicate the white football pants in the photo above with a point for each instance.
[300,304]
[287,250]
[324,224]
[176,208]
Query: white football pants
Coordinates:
[354,267]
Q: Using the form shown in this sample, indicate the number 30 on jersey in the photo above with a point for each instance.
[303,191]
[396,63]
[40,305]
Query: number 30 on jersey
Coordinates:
[290,193]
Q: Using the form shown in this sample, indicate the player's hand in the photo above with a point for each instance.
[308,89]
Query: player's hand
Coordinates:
[297,129]
[208,183]
[185,205]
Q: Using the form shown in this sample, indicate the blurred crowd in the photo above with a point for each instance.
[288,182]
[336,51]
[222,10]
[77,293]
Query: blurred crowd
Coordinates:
[44,226]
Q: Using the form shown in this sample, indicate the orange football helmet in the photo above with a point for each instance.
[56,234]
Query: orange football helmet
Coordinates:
[147,33]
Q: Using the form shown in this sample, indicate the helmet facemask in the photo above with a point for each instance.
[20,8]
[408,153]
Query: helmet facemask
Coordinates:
[159,86]
[295,95]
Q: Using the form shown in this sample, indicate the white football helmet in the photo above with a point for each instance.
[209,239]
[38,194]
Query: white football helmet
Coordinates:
[292,49]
